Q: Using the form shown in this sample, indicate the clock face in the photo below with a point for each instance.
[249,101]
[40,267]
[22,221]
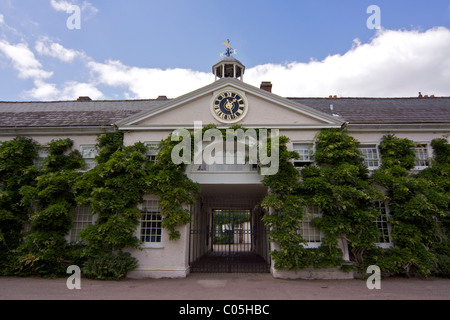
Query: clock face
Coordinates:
[229,107]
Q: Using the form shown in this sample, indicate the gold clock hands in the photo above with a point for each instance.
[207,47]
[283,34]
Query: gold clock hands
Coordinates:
[229,105]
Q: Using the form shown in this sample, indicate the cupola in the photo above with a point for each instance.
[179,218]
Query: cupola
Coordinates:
[229,67]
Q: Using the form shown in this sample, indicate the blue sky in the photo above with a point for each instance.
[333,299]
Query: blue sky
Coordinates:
[142,49]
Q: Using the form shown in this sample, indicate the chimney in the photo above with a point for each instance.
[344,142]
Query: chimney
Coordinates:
[84,98]
[161,98]
[266,85]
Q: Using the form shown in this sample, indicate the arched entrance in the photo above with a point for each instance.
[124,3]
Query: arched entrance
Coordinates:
[227,234]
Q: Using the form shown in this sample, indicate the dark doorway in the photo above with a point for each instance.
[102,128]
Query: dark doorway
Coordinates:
[227,235]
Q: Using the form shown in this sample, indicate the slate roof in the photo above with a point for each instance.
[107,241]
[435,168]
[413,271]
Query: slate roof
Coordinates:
[71,113]
[106,113]
[383,110]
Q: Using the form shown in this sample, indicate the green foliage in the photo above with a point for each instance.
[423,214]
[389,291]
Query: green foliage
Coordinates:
[339,185]
[231,217]
[418,205]
[443,265]
[115,187]
[286,210]
[175,190]
[438,178]
[108,143]
[43,250]
[16,171]
[112,190]
[109,266]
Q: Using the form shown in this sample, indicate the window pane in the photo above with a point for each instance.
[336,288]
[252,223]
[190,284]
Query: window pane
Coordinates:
[82,218]
[421,156]
[309,232]
[370,154]
[151,229]
[382,223]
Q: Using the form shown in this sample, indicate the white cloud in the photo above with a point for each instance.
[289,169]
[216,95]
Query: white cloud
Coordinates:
[24,61]
[394,63]
[47,47]
[42,91]
[70,90]
[144,83]
[61,5]
[88,7]
[64,6]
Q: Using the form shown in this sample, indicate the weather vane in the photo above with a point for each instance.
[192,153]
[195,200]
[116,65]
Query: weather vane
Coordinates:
[229,51]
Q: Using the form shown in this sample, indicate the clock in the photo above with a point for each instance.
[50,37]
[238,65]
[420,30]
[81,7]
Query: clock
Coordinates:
[229,106]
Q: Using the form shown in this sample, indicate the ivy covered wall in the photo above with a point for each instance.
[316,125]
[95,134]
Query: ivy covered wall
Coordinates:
[339,184]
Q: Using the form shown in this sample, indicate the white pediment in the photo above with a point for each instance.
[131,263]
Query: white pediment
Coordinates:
[265,109]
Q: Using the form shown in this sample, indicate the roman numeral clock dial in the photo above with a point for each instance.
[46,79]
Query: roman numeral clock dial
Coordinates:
[229,107]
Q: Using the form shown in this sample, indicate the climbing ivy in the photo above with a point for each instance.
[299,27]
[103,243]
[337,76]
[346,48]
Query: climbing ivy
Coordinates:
[418,205]
[112,190]
[16,171]
[286,210]
[339,185]
[439,194]
[175,190]
[44,249]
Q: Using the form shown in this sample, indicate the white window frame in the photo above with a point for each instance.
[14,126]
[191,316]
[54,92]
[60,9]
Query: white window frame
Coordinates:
[89,152]
[151,208]
[383,225]
[42,155]
[307,230]
[153,150]
[367,150]
[306,151]
[423,157]
[82,218]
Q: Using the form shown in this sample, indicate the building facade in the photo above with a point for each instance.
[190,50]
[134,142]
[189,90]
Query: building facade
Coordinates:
[226,219]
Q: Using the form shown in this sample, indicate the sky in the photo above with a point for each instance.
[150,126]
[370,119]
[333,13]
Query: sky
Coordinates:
[141,49]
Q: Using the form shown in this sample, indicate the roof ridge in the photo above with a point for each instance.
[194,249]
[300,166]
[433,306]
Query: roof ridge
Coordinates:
[72,101]
[370,98]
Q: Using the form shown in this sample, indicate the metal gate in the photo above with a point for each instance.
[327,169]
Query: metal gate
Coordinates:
[227,235]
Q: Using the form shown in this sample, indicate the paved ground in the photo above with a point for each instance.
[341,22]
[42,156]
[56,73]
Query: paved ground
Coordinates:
[224,287]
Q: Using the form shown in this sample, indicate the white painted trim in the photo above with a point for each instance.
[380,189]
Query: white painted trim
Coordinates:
[236,85]
[438,127]
[55,130]
[191,126]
